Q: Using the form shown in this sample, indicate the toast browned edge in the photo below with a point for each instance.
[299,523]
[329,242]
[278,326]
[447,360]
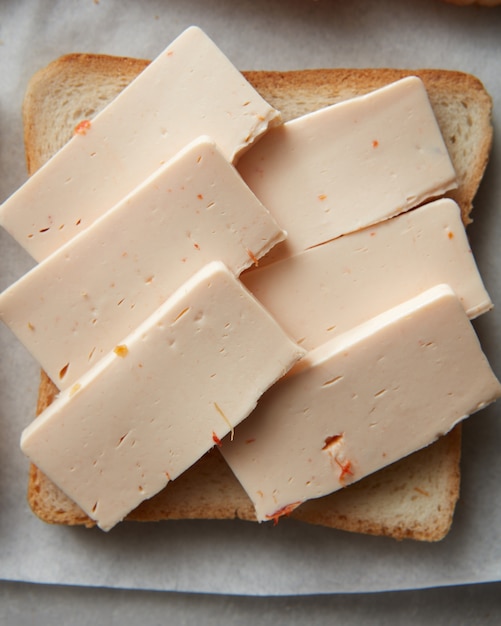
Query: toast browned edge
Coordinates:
[390,502]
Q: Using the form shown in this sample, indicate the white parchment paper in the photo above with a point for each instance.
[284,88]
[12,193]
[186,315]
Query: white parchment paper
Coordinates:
[237,557]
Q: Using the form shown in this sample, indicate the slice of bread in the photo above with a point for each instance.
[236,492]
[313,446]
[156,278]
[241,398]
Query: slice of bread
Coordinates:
[414,498]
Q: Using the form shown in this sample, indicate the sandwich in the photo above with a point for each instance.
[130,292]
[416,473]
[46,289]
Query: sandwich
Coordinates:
[412,498]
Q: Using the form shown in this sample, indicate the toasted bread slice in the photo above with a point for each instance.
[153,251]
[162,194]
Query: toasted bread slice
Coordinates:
[413,498]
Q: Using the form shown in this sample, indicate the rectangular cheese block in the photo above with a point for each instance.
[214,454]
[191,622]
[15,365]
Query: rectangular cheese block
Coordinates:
[324,291]
[350,165]
[190,89]
[77,304]
[170,391]
[361,401]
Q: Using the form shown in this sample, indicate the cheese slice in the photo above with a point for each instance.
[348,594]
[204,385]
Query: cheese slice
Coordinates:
[350,165]
[361,401]
[77,304]
[170,391]
[191,89]
[327,290]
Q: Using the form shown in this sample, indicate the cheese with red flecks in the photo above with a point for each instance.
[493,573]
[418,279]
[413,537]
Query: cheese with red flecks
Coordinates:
[190,89]
[163,397]
[76,305]
[327,290]
[361,401]
[350,165]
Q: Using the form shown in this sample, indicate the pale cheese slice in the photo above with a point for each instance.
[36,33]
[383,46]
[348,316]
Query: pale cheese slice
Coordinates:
[350,165]
[327,290]
[77,304]
[361,401]
[190,89]
[170,391]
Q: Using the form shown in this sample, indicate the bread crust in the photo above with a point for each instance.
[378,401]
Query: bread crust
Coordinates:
[413,498]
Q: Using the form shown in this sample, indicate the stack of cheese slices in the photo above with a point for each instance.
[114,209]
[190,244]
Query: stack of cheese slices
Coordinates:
[223,290]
